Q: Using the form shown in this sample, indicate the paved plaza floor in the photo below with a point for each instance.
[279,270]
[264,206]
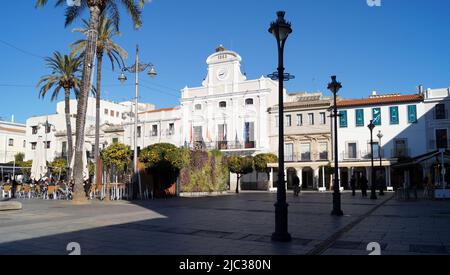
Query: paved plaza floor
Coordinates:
[228,225]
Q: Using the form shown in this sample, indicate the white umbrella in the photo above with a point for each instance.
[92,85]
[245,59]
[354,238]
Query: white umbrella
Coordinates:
[39,166]
[85,164]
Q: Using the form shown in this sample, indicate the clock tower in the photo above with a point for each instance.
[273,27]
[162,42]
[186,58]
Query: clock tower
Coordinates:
[224,71]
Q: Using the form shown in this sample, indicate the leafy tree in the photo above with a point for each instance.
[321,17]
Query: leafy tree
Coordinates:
[117,156]
[26,167]
[96,8]
[58,166]
[240,166]
[66,76]
[19,157]
[165,162]
[261,161]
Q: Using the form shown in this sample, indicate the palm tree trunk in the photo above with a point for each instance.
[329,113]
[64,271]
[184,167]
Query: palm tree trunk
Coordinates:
[97,118]
[68,125]
[79,195]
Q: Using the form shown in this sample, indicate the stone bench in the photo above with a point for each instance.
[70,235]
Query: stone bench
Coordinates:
[10,205]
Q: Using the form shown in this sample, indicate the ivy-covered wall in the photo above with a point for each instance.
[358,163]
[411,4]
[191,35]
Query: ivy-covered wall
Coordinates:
[205,172]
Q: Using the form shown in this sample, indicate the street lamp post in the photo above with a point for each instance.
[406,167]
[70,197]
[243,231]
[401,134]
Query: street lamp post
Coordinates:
[380,135]
[136,69]
[334,87]
[281,30]
[373,196]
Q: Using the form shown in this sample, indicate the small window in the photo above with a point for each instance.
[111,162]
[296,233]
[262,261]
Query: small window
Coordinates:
[47,144]
[198,107]
[171,129]
[439,112]
[311,118]
[117,114]
[24,144]
[343,119]
[139,131]
[33,145]
[11,142]
[112,113]
[154,130]
[47,128]
[115,140]
[299,119]
[322,118]
[34,130]
[249,101]
[393,115]
[222,104]
[359,114]
[412,114]
[106,111]
[288,121]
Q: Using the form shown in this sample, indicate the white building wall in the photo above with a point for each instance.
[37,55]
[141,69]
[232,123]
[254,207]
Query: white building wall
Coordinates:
[413,132]
[225,82]
[434,97]
[16,133]
[110,113]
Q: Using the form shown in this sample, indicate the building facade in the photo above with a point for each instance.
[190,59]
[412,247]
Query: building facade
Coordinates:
[157,126]
[12,140]
[228,112]
[401,121]
[307,138]
[51,129]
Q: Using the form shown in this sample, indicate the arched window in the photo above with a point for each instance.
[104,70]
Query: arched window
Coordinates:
[249,101]
[222,104]
[198,106]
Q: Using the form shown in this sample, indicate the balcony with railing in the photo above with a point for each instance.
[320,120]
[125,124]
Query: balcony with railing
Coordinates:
[361,155]
[306,157]
[222,145]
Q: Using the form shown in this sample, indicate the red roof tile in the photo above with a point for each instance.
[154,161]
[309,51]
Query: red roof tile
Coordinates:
[380,100]
[161,110]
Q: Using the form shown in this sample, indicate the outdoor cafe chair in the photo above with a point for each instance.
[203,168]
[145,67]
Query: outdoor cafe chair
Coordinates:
[51,190]
[6,191]
[26,191]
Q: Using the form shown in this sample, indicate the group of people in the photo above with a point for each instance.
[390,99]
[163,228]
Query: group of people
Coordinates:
[354,182]
[364,184]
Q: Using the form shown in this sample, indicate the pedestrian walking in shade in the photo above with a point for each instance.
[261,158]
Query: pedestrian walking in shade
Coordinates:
[296,185]
[364,186]
[353,184]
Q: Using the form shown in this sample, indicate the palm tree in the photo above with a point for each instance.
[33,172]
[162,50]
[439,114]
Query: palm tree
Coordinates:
[105,45]
[96,8]
[65,75]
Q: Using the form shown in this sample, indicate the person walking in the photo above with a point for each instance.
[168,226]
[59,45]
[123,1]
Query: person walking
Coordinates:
[353,184]
[296,185]
[364,186]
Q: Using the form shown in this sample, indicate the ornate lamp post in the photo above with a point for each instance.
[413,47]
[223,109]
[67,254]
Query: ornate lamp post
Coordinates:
[373,196]
[281,30]
[136,69]
[334,87]
[380,135]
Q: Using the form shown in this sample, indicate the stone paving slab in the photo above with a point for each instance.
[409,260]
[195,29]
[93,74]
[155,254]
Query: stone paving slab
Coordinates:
[226,225]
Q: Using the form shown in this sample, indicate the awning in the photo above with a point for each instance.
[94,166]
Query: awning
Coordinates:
[422,158]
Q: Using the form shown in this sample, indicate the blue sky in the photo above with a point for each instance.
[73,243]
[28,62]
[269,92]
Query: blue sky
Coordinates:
[392,48]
